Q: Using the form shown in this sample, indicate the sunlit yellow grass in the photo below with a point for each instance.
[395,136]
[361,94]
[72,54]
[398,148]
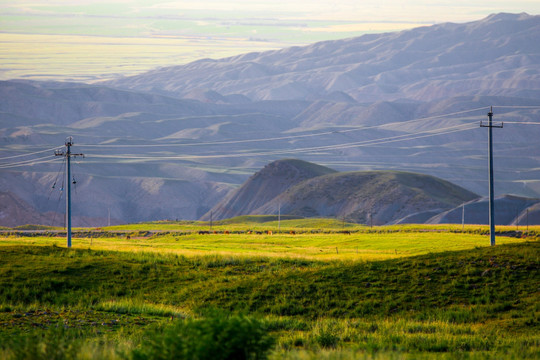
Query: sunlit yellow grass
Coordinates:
[135,306]
[356,246]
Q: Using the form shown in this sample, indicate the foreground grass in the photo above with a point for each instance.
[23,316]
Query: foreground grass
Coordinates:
[481,302]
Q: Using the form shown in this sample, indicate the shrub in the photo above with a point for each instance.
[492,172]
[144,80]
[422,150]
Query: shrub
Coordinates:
[215,337]
[326,336]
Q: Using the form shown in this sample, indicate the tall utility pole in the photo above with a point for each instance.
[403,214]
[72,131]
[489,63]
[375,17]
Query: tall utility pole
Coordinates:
[490,126]
[68,154]
[279,218]
[463,217]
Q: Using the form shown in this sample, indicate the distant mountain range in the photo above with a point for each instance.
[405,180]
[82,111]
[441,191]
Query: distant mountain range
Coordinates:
[494,56]
[175,142]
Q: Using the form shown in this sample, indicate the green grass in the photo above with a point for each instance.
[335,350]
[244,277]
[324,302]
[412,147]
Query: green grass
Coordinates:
[442,295]
[36,227]
[254,219]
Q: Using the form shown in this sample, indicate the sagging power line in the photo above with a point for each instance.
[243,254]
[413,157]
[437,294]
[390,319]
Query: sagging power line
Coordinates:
[290,137]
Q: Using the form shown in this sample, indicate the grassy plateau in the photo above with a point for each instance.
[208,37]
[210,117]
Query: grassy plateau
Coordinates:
[317,289]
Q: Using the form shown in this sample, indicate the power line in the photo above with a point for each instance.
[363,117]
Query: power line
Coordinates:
[405,137]
[522,122]
[290,137]
[32,153]
[373,142]
[517,107]
[62,170]
[28,162]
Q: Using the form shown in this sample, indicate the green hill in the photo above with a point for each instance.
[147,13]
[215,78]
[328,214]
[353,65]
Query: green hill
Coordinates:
[265,185]
[385,196]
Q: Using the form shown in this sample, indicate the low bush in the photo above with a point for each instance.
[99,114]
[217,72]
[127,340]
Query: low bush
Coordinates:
[214,337]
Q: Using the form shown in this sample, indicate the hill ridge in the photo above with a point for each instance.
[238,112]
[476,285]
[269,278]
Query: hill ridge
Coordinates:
[383,195]
[412,63]
[263,186]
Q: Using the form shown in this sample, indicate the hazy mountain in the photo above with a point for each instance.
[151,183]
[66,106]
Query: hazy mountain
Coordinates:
[497,55]
[172,143]
[15,211]
[508,210]
[355,196]
[530,215]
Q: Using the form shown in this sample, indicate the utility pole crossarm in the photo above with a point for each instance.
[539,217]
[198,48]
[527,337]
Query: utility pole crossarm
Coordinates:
[482,124]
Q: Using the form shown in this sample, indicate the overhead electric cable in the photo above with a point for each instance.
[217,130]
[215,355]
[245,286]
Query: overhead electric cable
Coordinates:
[56,178]
[405,137]
[290,137]
[517,107]
[522,122]
[27,162]
[32,153]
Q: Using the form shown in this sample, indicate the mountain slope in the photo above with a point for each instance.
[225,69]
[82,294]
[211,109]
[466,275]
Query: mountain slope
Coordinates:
[508,209]
[386,195]
[265,185]
[382,195]
[496,55]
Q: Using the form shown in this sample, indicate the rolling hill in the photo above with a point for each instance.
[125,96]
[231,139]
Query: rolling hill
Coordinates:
[264,186]
[377,196]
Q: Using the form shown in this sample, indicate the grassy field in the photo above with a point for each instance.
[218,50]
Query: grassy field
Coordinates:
[289,223]
[319,246]
[392,293]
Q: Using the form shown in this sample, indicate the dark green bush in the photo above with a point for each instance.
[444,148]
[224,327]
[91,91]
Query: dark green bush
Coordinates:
[214,337]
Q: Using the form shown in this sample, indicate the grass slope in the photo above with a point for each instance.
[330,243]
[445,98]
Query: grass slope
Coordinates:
[480,302]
